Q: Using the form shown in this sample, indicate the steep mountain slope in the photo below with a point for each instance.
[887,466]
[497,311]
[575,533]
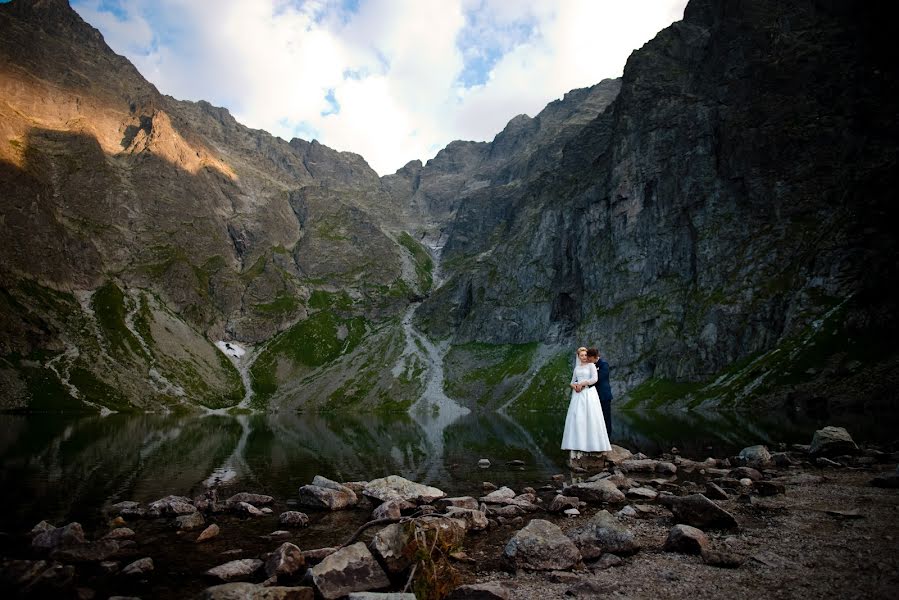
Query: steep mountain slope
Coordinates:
[723,231]
[139,229]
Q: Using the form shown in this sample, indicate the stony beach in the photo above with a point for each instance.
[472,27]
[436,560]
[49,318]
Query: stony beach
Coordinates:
[790,522]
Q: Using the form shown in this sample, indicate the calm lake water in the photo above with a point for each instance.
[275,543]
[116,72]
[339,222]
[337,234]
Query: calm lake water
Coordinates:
[65,467]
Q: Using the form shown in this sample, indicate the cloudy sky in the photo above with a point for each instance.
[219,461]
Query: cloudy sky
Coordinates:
[393,80]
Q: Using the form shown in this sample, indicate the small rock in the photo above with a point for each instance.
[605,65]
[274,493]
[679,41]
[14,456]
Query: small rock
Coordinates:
[189,521]
[628,512]
[686,540]
[746,473]
[642,493]
[394,487]
[293,518]
[247,509]
[756,457]
[381,596]
[561,503]
[249,591]
[139,567]
[846,514]
[234,570]
[475,520]
[254,499]
[769,488]
[722,559]
[571,512]
[41,527]
[208,533]
[59,536]
[698,511]
[607,561]
[459,502]
[285,562]
[515,463]
[714,491]
[481,591]
[392,509]
[120,533]
[602,491]
[108,567]
[564,577]
[484,463]
[500,496]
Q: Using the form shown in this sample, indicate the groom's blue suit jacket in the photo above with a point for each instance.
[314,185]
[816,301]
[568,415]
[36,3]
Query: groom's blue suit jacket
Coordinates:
[603,388]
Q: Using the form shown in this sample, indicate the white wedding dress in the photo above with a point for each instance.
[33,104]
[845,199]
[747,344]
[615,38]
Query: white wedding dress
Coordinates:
[585,427]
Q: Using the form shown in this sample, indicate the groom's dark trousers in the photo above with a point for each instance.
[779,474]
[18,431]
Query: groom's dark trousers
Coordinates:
[604,389]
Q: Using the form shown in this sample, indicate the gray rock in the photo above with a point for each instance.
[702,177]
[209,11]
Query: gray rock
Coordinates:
[745,473]
[171,505]
[475,520]
[86,552]
[756,457]
[381,596]
[350,569]
[57,537]
[484,463]
[642,493]
[832,441]
[285,562]
[314,496]
[293,518]
[208,533]
[722,558]
[607,561]
[119,533]
[254,499]
[571,512]
[627,512]
[604,533]
[686,540]
[501,496]
[249,591]
[392,509]
[602,492]
[41,527]
[189,521]
[618,454]
[235,570]
[541,546]
[481,591]
[394,487]
[698,511]
[714,491]
[139,567]
[459,502]
[561,503]
[126,509]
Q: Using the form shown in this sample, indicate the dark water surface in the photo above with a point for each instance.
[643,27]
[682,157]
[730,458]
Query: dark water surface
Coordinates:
[64,467]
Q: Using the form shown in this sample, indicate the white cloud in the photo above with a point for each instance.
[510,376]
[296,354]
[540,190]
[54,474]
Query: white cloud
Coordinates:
[274,63]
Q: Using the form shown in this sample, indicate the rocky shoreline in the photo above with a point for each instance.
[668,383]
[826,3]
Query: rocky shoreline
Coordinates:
[798,522]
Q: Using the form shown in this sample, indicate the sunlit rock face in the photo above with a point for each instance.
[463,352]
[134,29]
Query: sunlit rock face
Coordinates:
[717,221]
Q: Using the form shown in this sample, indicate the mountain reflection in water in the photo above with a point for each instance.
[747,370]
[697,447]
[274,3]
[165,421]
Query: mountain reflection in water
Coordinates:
[64,467]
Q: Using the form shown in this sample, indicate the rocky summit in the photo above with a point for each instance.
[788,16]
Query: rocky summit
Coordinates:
[719,221]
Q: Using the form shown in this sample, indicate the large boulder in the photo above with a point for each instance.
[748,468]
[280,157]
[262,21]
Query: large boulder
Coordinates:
[171,505]
[604,533]
[698,511]
[832,441]
[602,492]
[618,454]
[541,546]
[293,518]
[395,544]
[686,540]
[285,562]
[350,569]
[394,487]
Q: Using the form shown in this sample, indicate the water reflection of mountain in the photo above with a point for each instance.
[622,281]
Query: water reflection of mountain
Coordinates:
[62,467]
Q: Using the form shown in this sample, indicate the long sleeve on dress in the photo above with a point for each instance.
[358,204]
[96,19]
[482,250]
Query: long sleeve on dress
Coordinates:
[593,376]
[574,375]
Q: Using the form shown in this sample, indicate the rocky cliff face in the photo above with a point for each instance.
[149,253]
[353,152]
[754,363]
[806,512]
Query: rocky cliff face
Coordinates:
[718,221]
[721,231]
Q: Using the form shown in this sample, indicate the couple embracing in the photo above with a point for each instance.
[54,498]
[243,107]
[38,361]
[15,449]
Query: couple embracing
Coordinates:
[589,421]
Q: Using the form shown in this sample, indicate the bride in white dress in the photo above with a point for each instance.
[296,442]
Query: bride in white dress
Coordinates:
[585,427]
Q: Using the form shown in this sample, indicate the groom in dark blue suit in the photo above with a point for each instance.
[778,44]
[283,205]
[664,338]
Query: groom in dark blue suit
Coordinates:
[603,387]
